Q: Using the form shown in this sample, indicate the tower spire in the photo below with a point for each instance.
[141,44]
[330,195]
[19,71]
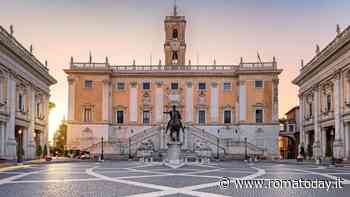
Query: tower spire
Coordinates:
[175,8]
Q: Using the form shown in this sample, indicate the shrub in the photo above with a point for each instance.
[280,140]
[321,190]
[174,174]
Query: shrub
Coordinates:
[39,151]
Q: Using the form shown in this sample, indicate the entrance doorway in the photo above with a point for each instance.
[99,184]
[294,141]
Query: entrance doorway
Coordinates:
[19,143]
[329,142]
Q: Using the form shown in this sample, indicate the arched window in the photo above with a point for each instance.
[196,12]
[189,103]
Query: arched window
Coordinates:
[175,34]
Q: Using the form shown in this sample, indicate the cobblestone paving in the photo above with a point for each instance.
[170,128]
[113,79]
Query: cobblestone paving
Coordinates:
[112,179]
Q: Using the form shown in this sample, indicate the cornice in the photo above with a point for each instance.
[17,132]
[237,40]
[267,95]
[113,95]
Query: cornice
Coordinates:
[11,44]
[331,49]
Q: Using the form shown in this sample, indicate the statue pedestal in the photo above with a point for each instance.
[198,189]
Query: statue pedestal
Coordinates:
[174,153]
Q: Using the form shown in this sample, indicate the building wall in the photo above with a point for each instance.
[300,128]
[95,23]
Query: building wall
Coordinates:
[121,99]
[242,99]
[22,74]
[327,74]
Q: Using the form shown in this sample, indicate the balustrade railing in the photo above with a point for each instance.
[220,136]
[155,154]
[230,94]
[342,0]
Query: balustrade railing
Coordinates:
[178,68]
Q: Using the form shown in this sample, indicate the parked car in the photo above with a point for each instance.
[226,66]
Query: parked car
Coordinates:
[84,156]
[48,158]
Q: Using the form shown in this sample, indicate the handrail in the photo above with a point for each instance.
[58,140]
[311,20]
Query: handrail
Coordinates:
[210,138]
[165,68]
[229,141]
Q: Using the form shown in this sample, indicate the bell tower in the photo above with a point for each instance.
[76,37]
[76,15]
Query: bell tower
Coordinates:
[175,45]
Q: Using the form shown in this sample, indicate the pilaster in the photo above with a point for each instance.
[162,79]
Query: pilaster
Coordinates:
[71,98]
[189,101]
[214,102]
[338,149]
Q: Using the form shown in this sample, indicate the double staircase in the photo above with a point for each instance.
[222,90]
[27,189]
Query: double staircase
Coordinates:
[196,140]
[225,148]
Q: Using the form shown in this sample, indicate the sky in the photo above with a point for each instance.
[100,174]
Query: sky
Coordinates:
[125,30]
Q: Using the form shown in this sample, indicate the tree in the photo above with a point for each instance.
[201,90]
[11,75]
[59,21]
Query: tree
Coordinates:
[60,138]
[39,151]
[51,105]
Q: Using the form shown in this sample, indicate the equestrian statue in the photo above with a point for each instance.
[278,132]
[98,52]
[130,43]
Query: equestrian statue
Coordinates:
[174,124]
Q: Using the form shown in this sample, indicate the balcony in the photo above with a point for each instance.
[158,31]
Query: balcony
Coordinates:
[22,115]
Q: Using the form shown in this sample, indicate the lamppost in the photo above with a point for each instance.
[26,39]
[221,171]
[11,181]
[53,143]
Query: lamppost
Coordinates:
[131,131]
[19,151]
[102,148]
[245,149]
[332,145]
[217,148]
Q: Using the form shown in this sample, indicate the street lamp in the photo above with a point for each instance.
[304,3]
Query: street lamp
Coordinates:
[245,149]
[332,143]
[217,148]
[102,148]
[131,131]
[19,151]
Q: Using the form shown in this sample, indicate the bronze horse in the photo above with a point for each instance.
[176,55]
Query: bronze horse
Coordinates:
[174,124]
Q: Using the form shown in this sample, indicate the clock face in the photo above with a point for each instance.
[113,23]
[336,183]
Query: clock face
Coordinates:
[174,45]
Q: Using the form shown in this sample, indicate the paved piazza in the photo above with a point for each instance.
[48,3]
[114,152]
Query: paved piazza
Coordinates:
[135,179]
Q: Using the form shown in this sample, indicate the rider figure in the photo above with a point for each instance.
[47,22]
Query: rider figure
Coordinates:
[175,120]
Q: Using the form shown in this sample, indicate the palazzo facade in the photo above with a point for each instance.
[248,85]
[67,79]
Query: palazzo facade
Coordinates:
[324,100]
[219,104]
[24,97]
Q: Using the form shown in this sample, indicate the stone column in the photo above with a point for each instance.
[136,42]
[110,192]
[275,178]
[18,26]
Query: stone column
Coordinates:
[10,127]
[323,142]
[317,134]
[301,121]
[71,98]
[242,101]
[133,102]
[30,149]
[338,150]
[2,140]
[162,142]
[159,98]
[347,141]
[275,82]
[46,129]
[106,104]
[214,102]
[189,102]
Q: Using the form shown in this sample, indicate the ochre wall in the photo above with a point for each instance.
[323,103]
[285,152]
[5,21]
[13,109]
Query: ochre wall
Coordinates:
[120,99]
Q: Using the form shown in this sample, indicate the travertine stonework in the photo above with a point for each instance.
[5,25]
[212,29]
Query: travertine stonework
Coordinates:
[324,95]
[24,97]
[202,93]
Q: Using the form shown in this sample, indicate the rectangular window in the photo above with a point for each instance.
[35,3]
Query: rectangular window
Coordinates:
[227,116]
[227,86]
[38,110]
[146,85]
[201,117]
[259,83]
[88,84]
[174,86]
[310,109]
[87,114]
[329,103]
[258,115]
[120,117]
[120,86]
[20,103]
[202,86]
[291,128]
[146,117]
